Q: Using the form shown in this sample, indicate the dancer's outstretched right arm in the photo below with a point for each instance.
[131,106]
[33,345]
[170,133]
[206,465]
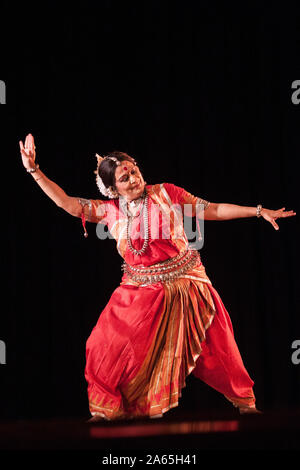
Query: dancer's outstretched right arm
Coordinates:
[55,192]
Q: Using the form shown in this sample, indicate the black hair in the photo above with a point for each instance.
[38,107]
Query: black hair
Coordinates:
[108,167]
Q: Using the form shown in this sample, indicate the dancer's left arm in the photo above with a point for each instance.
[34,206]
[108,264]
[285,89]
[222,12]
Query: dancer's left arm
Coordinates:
[224,211]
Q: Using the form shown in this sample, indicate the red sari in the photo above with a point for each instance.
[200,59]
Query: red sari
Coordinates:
[149,337]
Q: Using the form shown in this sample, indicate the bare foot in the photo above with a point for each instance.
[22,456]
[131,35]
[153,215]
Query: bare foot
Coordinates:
[96,419]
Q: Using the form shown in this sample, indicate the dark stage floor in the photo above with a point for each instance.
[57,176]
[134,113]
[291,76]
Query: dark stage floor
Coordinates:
[172,436]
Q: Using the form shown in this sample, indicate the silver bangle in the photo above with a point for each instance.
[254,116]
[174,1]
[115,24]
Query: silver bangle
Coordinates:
[258,210]
[33,170]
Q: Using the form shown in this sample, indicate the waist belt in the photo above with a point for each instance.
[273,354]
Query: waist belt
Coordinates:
[166,270]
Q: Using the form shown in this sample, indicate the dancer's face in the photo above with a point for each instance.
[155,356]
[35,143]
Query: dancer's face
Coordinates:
[129,180]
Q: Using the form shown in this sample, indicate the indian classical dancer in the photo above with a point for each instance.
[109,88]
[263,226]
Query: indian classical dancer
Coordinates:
[165,320]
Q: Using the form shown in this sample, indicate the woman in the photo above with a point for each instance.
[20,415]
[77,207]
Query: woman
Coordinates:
[165,320]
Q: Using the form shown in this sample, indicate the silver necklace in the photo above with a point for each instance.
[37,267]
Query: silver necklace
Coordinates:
[144,200]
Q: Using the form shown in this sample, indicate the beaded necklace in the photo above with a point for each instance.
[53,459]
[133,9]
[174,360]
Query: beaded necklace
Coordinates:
[144,201]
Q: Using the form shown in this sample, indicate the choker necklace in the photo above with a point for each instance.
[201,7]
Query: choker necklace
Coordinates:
[143,200]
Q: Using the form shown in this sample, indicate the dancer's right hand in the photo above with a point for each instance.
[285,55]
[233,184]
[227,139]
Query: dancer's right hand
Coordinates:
[28,152]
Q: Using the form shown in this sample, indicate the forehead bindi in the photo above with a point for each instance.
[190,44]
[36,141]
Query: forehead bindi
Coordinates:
[123,169]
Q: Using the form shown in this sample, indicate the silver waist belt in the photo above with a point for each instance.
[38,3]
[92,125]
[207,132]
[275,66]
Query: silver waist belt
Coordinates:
[165,271]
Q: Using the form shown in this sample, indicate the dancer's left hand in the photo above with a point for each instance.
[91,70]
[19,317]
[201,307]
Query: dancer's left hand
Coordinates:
[271,215]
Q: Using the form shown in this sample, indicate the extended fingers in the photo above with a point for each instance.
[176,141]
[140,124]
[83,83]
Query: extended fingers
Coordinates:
[287,214]
[271,216]
[29,142]
[281,213]
[26,143]
[272,221]
[22,149]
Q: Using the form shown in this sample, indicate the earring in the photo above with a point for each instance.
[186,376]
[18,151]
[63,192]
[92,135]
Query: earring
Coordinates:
[112,193]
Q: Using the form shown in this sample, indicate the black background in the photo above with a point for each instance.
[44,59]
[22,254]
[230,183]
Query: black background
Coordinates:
[200,94]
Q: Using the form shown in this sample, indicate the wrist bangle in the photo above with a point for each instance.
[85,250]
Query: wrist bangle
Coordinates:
[33,170]
[258,210]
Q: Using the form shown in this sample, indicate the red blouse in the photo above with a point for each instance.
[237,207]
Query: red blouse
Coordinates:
[168,205]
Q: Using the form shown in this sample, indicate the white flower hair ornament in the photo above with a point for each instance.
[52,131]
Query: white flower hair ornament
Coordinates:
[109,192]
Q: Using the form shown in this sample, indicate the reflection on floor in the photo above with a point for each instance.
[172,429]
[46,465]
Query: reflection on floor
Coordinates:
[171,434]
